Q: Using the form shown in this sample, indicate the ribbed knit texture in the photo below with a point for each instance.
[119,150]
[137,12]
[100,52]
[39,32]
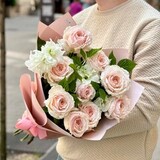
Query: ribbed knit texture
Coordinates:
[133,25]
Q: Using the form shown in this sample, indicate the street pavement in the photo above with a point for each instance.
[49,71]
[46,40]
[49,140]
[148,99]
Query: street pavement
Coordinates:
[20,39]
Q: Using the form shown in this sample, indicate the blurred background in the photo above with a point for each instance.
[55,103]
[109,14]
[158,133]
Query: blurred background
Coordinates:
[21,20]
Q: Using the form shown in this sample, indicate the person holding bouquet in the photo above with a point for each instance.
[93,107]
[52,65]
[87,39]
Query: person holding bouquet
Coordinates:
[132,25]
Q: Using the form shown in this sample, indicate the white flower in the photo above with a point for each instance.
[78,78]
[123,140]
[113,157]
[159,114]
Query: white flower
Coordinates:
[88,73]
[101,104]
[52,50]
[36,62]
[41,61]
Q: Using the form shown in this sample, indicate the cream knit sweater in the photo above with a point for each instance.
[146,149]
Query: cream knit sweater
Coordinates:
[133,25]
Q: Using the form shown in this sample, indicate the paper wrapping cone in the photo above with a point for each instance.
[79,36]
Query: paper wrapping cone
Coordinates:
[55,30]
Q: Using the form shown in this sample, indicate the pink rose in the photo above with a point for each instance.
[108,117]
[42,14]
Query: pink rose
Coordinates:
[85,92]
[76,38]
[119,108]
[115,80]
[59,103]
[93,112]
[99,61]
[76,122]
[60,70]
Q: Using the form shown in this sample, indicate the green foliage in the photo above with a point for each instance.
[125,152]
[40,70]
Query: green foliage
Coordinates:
[102,94]
[127,64]
[92,52]
[69,84]
[77,60]
[40,43]
[64,84]
[95,85]
[74,67]
[72,82]
[72,86]
[89,53]
[112,58]
[76,100]
[71,78]
[83,54]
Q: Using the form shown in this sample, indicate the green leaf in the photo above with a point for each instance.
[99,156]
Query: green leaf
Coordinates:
[76,100]
[97,95]
[127,64]
[72,82]
[71,78]
[92,52]
[72,86]
[112,58]
[102,93]
[78,76]
[83,54]
[77,60]
[40,43]
[64,84]
[95,85]
[73,66]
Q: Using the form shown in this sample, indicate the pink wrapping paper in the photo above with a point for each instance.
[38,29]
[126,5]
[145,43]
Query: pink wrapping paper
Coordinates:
[34,109]
[55,30]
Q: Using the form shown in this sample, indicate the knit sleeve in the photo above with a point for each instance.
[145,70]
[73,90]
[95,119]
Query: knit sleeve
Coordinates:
[147,73]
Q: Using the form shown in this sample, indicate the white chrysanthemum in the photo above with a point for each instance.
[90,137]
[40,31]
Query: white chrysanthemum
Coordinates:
[52,50]
[41,61]
[88,73]
[37,63]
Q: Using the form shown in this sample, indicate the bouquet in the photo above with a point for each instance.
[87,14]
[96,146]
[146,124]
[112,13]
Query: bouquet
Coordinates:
[78,91]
